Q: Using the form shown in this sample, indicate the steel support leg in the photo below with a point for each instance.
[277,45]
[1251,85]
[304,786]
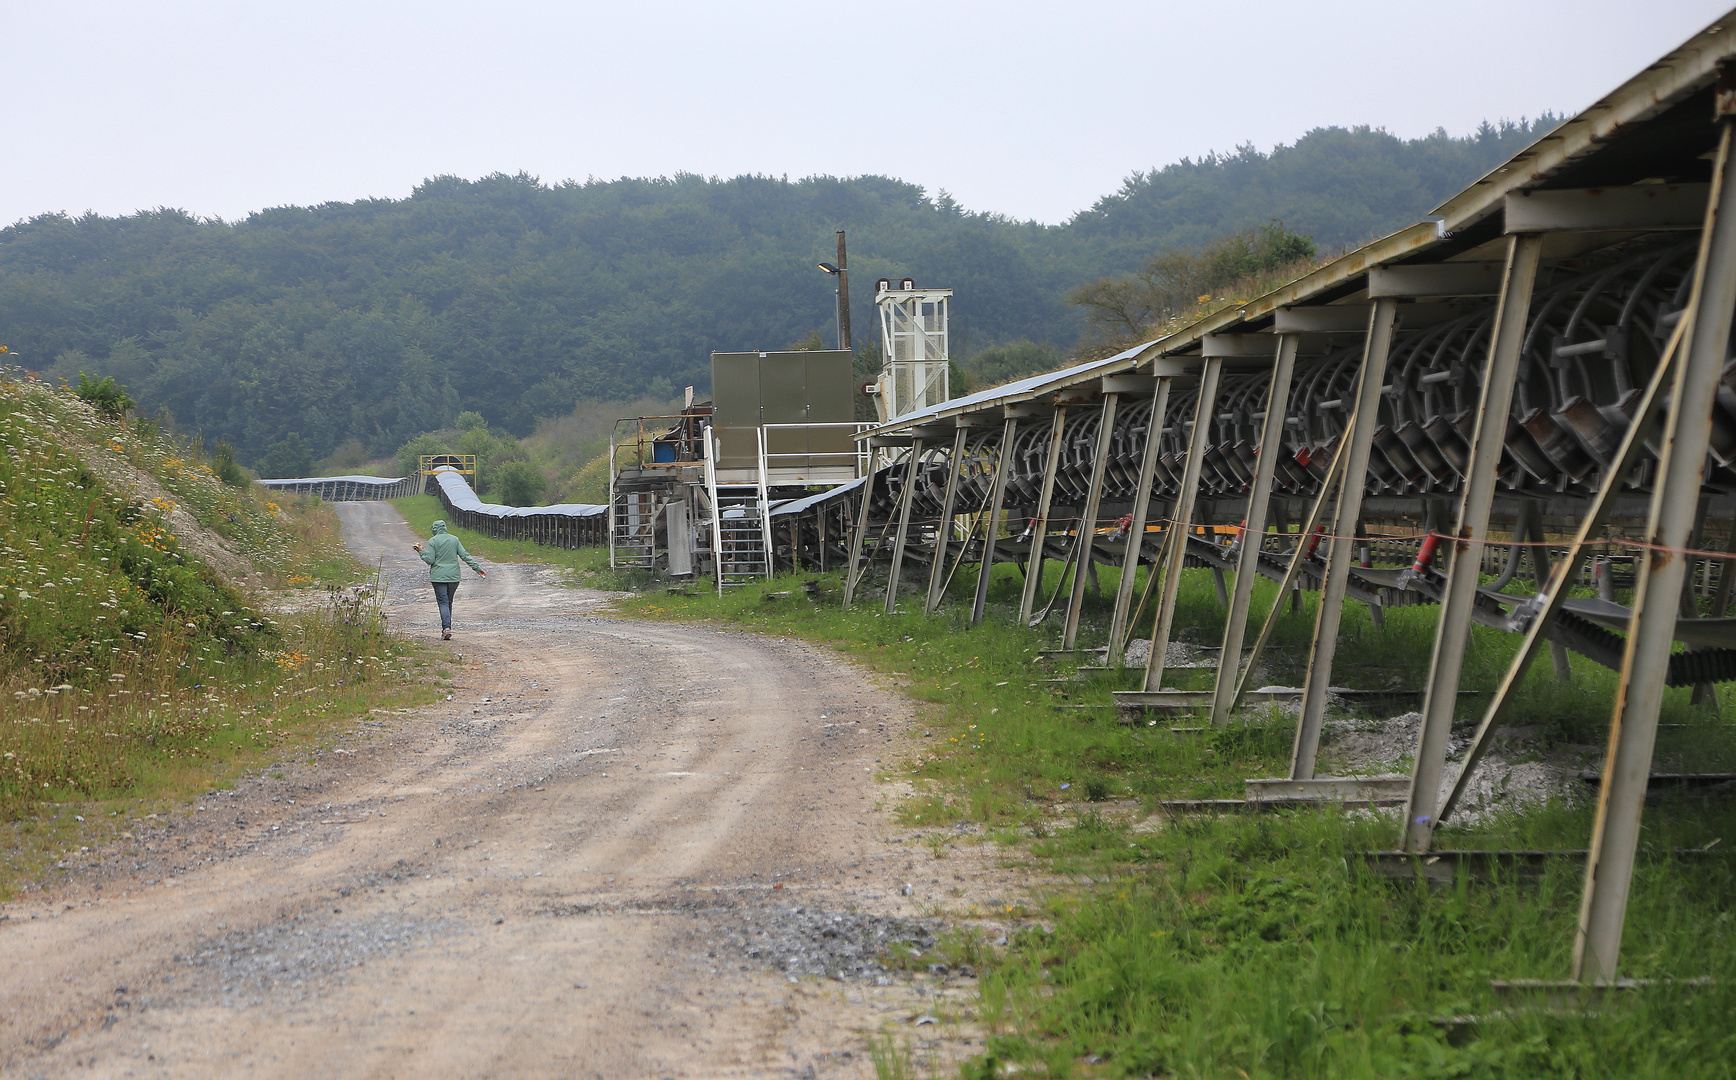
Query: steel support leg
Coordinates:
[1254,528]
[943,533]
[1040,528]
[858,535]
[1088,521]
[1477,496]
[1657,595]
[1003,467]
[1177,531]
[1326,620]
[1590,528]
[1288,587]
[906,499]
[1136,524]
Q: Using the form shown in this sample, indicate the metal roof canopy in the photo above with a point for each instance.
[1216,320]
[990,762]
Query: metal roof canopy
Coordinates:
[1013,393]
[1653,131]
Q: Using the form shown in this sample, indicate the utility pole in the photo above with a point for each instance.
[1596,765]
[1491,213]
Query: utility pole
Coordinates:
[843,297]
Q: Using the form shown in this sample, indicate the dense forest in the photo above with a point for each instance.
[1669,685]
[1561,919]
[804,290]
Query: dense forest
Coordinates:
[369,322]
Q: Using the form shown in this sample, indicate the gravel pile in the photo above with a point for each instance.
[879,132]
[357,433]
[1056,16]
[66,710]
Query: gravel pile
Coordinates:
[813,941]
[1138,651]
[289,961]
[802,940]
[1504,781]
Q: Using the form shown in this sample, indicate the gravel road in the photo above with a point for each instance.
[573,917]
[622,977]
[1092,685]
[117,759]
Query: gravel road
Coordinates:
[621,849]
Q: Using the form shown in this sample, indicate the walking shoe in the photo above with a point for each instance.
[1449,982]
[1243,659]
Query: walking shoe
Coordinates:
[445,635]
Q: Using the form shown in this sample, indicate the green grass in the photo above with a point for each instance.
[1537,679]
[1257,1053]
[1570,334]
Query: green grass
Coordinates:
[1259,946]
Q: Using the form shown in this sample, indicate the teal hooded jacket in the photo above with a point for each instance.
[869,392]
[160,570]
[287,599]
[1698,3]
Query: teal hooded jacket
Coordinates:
[442,552]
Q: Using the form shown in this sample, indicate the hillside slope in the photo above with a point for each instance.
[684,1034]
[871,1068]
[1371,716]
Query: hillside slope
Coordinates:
[133,632]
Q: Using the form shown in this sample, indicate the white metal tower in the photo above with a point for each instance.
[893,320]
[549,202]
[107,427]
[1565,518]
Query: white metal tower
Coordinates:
[913,333]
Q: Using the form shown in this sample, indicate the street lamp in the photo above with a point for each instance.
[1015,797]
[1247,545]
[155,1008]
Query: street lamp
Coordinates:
[842,273]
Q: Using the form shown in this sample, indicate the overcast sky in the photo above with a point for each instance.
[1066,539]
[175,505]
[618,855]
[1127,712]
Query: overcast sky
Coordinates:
[1029,109]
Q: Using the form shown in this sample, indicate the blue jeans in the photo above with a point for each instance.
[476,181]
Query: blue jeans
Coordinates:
[444,591]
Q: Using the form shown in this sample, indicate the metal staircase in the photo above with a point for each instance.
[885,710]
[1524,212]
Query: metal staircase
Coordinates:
[740,530]
[633,528]
[739,545]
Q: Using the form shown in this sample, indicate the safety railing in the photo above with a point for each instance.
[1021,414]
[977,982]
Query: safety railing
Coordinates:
[857,458]
[658,442]
[464,463]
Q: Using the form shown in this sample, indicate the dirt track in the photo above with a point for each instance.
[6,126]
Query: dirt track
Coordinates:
[601,858]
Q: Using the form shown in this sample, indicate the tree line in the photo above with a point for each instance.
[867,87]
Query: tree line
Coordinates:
[301,330]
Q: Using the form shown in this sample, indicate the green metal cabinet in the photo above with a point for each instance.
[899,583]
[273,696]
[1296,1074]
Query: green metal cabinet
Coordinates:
[807,387]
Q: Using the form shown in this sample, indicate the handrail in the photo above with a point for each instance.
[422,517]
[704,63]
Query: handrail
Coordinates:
[716,514]
[765,503]
[860,455]
[687,429]
[611,530]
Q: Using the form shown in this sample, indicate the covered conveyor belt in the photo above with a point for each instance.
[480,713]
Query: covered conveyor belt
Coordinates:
[1540,370]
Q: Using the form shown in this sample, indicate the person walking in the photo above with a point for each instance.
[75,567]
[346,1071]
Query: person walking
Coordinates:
[442,554]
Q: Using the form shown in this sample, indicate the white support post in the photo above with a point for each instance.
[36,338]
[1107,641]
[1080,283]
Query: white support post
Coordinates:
[1452,635]
[1177,532]
[765,508]
[1381,317]
[1657,594]
[1136,522]
[1254,527]
[612,503]
[716,513]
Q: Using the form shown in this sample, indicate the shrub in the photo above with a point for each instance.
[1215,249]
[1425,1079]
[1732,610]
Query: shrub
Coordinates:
[223,464]
[520,483]
[105,395]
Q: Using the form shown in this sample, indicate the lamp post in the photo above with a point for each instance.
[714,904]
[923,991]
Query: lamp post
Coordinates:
[842,272]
